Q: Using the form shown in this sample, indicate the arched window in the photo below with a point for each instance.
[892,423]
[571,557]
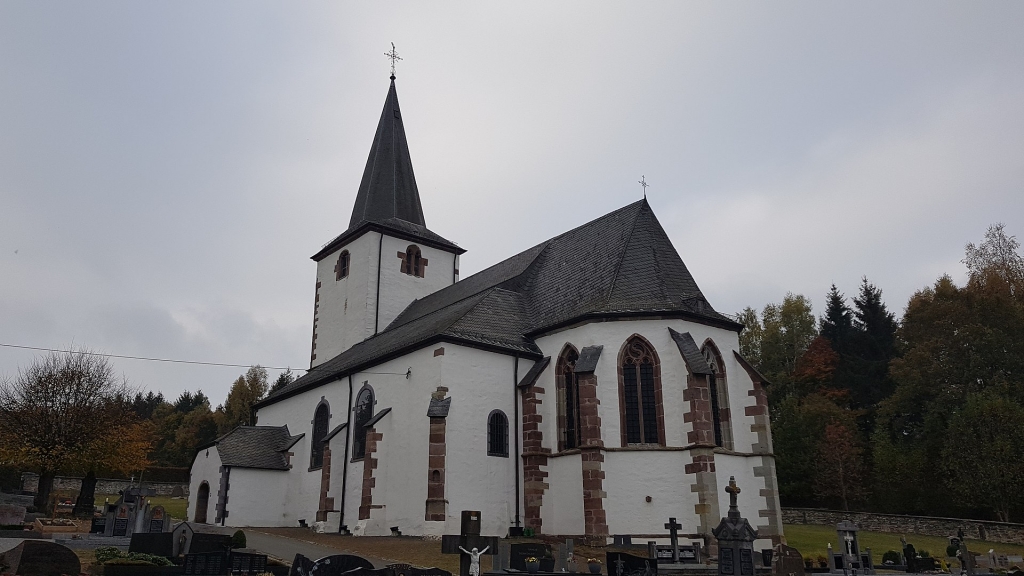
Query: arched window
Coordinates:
[316,441]
[568,398]
[341,268]
[413,262]
[497,434]
[363,413]
[718,391]
[640,393]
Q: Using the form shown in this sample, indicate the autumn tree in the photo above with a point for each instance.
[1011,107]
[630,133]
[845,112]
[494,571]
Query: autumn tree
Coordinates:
[984,453]
[245,392]
[839,466]
[998,255]
[60,412]
[182,427]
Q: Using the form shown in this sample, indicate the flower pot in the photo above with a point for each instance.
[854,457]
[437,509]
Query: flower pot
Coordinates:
[595,568]
[532,567]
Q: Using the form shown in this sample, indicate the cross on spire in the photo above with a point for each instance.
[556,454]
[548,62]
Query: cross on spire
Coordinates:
[394,56]
[643,182]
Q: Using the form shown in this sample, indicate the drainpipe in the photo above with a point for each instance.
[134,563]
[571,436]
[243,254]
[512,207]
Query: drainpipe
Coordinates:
[515,418]
[344,466]
[376,313]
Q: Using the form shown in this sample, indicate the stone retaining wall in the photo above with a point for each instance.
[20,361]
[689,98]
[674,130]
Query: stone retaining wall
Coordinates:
[30,483]
[1003,532]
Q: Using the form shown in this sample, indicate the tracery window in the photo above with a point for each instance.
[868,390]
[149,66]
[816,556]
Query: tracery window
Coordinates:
[497,434]
[341,268]
[568,399]
[320,420]
[363,413]
[640,393]
[717,390]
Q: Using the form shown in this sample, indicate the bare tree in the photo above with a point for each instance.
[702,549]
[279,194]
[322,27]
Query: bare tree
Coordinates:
[55,413]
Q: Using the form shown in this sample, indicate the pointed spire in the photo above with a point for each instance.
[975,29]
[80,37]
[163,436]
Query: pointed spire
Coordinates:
[388,188]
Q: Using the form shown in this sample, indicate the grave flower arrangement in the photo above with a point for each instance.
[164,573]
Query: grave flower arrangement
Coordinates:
[594,565]
[532,564]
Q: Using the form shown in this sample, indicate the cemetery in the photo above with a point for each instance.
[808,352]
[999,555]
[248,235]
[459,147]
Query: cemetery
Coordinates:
[132,537]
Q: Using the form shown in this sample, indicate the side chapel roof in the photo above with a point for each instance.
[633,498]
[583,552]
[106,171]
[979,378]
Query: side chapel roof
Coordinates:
[621,264]
[263,447]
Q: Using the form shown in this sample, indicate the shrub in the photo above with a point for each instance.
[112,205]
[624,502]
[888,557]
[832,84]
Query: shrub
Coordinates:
[111,555]
[891,556]
[106,553]
[822,561]
[924,554]
[238,539]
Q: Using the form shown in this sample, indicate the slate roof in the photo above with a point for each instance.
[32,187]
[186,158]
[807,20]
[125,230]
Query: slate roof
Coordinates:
[621,264]
[388,197]
[695,361]
[587,362]
[263,447]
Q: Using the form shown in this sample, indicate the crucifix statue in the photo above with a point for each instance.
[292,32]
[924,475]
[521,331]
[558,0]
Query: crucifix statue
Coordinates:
[394,56]
[474,559]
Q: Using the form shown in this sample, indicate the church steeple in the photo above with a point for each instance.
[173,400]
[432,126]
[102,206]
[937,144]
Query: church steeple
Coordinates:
[388,188]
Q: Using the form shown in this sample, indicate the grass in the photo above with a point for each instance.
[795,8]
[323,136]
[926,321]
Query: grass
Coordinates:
[176,507]
[812,540]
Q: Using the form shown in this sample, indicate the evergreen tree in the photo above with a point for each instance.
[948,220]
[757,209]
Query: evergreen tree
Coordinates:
[837,323]
[873,348]
[283,379]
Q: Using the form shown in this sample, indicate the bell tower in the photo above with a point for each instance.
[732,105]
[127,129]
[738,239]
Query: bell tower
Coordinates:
[387,257]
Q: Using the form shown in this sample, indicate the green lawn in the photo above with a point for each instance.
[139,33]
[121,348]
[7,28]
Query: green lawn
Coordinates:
[176,507]
[812,540]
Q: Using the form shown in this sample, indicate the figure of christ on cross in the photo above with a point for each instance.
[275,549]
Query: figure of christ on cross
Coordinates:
[474,559]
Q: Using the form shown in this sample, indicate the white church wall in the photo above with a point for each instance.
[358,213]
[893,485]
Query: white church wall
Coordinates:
[205,468]
[398,289]
[478,383]
[749,501]
[301,498]
[345,310]
[562,507]
[251,491]
[630,477]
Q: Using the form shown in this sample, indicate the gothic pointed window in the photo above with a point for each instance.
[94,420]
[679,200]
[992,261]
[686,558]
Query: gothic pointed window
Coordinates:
[316,441]
[640,394]
[568,399]
[718,392]
[341,268]
[497,434]
[363,412]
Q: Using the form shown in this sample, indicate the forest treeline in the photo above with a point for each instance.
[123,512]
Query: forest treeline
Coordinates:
[918,414]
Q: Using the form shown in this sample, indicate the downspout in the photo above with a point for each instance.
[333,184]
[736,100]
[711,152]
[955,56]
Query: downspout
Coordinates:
[515,392]
[376,313]
[344,466]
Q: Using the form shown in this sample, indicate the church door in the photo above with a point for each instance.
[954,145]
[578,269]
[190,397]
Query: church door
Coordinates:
[202,502]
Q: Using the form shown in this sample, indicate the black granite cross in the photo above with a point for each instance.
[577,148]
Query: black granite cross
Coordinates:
[673,531]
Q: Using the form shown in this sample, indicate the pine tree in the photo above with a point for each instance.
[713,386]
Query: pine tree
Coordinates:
[873,348]
[837,323]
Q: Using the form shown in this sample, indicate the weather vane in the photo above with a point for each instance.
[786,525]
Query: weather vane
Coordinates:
[643,182]
[394,56]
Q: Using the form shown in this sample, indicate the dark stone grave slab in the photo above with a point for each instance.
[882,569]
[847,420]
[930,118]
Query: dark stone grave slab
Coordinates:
[157,519]
[329,565]
[120,526]
[787,562]
[518,553]
[248,564]
[687,554]
[98,526]
[622,564]
[12,515]
[41,558]
[206,564]
[158,544]
[414,571]
[204,542]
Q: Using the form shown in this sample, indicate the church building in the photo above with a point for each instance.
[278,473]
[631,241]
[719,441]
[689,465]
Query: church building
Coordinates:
[584,387]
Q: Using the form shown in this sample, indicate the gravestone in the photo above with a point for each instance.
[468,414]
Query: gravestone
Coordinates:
[688,554]
[247,563]
[158,521]
[468,539]
[12,515]
[673,533]
[158,544]
[338,564]
[206,564]
[121,521]
[518,553]
[735,539]
[787,561]
[910,555]
[622,564]
[99,525]
[850,559]
[41,558]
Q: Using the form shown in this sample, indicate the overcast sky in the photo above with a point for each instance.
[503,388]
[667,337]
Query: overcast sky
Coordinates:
[167,168]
